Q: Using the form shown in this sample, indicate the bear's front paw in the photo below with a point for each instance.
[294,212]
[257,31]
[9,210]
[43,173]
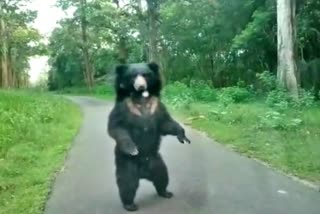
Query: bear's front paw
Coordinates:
[182,137]
[134,152]
[130,149]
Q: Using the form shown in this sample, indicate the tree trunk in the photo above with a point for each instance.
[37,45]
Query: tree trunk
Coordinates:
[10,69]
[287,68]
[4,54]
[153,33]
[122,45]
[153,14]
[88,75]
[123,50]
[143,29]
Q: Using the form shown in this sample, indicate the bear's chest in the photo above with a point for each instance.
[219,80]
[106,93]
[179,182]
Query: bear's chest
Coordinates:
[142,116]
[145,123]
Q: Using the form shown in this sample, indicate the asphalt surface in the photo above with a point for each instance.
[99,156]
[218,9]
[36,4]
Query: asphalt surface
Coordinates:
[205,178]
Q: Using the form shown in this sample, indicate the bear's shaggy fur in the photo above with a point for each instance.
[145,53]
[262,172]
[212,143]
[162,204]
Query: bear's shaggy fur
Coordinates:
[136,123]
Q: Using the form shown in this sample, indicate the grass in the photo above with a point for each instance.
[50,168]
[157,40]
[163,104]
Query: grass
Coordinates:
[35,133]
[249,129]
[101,91]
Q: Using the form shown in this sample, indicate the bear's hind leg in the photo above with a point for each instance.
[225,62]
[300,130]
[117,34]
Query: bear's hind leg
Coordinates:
[128,182]
[159,176]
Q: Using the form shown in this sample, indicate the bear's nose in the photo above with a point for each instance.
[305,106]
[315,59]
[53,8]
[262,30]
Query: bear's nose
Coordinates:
[140,83]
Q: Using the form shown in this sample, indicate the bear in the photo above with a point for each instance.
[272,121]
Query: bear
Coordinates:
[136,123]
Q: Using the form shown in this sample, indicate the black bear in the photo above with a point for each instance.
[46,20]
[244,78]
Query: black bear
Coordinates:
[136,123]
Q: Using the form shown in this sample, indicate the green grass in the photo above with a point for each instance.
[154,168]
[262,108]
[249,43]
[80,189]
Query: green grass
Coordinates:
[249,129]
[35,133]
[100,91]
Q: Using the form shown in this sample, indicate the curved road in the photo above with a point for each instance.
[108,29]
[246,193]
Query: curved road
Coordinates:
[205,178]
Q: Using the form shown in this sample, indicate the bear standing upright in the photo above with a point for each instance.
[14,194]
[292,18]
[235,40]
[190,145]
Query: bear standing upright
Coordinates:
[136,123]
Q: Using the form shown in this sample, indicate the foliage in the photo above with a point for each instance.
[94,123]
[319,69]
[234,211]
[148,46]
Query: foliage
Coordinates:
[179,94]
[202,91]
[285,140]
[99,90]
[107,25]
[18,42]
[267,81]
[203,44]
[281,99]
[35,132]
[234,94]
[276,120]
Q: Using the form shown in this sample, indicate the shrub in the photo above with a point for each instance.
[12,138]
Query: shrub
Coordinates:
[281,99]
[178,94]
[202,91]
[267,81]
[279,121]
[102,89]
[306,99]
[278,98]
[234,94]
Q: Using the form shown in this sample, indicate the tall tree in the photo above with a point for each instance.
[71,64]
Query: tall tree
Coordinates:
[80,16]
[4,47]
[153,18]
[287,69]
[204,44]
[18,41]
[88,73]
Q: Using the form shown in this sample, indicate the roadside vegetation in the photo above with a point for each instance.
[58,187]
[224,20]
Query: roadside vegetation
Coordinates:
[36,132]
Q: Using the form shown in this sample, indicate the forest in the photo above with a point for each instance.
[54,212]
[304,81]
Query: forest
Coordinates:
[245,72]
[217,43]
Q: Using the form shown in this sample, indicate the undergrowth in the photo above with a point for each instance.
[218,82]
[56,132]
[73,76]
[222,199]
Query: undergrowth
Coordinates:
[36,131]
[271,126]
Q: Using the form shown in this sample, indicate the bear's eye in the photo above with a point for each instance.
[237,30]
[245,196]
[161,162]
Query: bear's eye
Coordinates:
[145,74]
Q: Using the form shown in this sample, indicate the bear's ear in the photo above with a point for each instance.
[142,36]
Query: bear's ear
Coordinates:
[120,69]
[154,67]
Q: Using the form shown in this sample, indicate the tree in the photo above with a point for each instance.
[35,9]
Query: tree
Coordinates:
[4,53]
[18,41]
[80,16]
[88,67]
[205,44]
[153,18]
[287,69]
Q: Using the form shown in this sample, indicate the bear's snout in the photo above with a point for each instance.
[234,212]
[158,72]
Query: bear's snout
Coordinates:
[140,83]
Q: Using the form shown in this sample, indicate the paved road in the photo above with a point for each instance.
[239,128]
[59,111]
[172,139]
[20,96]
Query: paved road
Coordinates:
[205,177]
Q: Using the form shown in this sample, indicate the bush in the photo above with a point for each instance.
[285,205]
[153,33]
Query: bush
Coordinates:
[102,89]
[178,94]
[267,81]
[202,91]
[234,94]
[277,120]
[281,99]
[278,97]
[306,99]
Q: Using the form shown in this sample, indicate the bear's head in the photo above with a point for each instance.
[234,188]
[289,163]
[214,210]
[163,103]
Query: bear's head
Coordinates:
[140,79]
